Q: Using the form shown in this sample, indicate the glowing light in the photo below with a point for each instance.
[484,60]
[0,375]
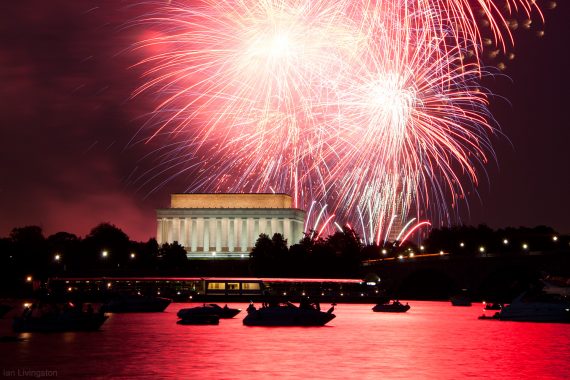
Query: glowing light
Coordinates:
[57,257]
[555,238]
[133,255]
[462,244]
[29,279]
[481,249]
[525,246]
[105,253]
[505,242]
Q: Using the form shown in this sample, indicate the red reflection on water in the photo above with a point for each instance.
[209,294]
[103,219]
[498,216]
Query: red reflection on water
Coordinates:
[433,340]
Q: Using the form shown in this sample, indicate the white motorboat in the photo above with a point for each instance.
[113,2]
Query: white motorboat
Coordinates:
[542,307]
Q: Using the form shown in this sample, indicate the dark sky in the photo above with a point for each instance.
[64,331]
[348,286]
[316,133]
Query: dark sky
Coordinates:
[66,161]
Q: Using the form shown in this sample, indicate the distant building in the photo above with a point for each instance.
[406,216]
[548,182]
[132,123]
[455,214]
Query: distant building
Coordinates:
[227,225]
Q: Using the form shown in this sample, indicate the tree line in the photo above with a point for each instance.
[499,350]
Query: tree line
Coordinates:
[108,251]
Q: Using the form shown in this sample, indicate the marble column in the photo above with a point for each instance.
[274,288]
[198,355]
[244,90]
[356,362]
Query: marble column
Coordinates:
[231,234]
[193,235]
[218,232]
[206,235]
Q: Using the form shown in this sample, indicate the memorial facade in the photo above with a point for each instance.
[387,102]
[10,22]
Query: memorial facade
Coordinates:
[227,225]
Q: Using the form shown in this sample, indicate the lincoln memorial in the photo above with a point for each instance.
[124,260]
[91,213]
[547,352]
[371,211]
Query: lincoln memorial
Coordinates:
[227,225]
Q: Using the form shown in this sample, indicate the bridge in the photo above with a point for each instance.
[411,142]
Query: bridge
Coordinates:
[485,277]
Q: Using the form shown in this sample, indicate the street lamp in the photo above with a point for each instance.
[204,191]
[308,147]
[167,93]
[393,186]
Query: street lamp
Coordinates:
[105,253]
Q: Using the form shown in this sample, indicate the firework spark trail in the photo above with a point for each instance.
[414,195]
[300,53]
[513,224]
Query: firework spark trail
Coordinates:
[360,105]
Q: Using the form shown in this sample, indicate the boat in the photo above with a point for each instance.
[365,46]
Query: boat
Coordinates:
[460,300]
[288,314]
[197,319]
[391,307]
[136,304]
[208,309]
[38,318]
[541,307]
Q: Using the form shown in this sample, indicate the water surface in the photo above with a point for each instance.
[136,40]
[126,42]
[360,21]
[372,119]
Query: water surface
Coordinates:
[431,341]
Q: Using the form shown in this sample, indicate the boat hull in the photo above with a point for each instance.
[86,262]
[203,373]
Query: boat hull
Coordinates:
[200,320]
[536,314]
[220,312]
[391,308]
[280,317]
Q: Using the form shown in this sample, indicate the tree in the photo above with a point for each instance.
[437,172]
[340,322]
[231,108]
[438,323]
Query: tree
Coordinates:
[106,248]
[29,251]
[173,257]
[262,254]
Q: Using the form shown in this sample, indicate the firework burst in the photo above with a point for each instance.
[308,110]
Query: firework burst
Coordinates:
[368,107]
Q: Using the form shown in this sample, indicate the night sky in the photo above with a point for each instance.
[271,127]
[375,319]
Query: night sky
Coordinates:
[69,157]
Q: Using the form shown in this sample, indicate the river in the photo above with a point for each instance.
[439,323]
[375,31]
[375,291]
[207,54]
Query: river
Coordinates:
[433,340]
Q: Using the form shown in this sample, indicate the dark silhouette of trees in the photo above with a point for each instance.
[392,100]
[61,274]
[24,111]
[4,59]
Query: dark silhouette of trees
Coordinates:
[337,255]
[172,258]
[108,251]
[269,255]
